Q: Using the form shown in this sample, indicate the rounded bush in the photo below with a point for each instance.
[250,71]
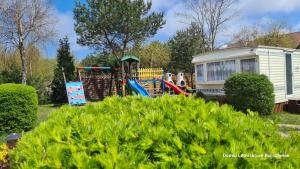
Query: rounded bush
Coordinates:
[18,107]
[168,132]
[250,91]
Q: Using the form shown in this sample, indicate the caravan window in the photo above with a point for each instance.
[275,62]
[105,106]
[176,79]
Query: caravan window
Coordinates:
[248,65]
[220,70]
[200,72]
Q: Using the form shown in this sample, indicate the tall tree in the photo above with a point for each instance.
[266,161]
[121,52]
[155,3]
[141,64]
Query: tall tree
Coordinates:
[40,71]
[113,26]
[246,36]
[24,23]
[210,16]
[274,34]
[183,46]
[155,54]
[65,63]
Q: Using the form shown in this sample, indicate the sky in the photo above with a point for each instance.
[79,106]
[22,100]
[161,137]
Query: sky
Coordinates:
[249,12]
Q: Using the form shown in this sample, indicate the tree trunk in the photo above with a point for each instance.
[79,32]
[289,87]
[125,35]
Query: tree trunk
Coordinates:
[24,63]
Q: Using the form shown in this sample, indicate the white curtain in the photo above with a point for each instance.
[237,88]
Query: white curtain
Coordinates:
[248,66]
[200,73]
[220,70]
[229,69]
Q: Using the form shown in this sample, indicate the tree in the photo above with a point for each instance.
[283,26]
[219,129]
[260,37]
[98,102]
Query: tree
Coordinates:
[24,23]
[90,60]
[40,71]
[98,60]
[11,75]
[271,35]
[246,36]
[113,26]
[10,67]
[155,54]
[210,16]
[275,37]
[65,62]
[183,46]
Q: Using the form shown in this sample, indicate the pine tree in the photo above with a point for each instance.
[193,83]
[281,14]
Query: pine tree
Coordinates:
[114,26]
[65,61]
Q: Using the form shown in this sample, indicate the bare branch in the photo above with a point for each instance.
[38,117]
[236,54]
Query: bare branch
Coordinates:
[24,23]
[210,15]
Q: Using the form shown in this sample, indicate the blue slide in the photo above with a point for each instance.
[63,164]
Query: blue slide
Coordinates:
[138,88]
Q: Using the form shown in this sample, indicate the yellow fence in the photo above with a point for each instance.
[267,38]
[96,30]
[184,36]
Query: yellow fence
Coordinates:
[150,73]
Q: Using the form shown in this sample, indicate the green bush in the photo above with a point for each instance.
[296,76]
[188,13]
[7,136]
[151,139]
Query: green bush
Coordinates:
[18,107]
[168,132]
[250,91]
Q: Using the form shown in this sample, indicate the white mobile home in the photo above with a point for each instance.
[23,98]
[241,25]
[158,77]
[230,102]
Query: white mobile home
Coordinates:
[281,65]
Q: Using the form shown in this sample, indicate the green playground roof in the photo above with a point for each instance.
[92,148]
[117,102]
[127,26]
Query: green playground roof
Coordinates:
[130,58]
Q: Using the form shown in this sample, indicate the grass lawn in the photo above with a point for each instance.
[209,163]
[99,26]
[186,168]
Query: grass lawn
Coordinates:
[286,118]
[43,112]
[286,121]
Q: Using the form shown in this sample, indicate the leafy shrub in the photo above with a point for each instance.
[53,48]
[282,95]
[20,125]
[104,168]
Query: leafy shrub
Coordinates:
[168,132]
[18,107]
[250,91]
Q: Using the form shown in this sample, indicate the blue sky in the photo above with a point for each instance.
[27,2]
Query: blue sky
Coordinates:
[250,12]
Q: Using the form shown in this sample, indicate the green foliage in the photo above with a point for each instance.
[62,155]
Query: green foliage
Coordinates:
[155,54]
[99,60]
[113,26]
[271,33]
[184,45]
[18,108]
[40,71]
[41,86]
[167,132]
[275,38]
[12,75]
[65,61]
[250,91]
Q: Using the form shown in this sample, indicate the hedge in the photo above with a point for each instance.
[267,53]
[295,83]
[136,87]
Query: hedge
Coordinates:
[168,132]
[250,91]
[18,108]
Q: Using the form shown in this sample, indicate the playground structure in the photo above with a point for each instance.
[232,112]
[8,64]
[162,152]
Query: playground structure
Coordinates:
[129,79]
[97,82]
[180,80]
[150,79]
[169,77]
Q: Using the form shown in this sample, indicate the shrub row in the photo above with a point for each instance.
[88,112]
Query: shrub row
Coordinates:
[168,132]
[18,108]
